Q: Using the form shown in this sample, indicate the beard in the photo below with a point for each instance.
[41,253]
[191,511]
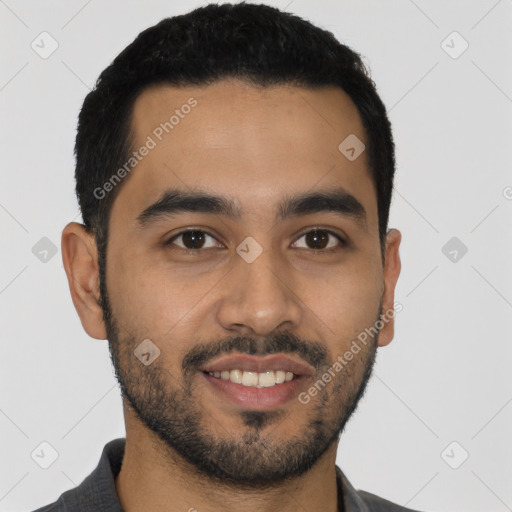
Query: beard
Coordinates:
[252,457]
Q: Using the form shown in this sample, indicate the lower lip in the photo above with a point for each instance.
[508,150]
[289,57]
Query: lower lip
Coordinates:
[251,398]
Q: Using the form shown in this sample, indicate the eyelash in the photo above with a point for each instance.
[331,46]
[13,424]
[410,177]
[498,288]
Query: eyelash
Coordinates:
[169,243]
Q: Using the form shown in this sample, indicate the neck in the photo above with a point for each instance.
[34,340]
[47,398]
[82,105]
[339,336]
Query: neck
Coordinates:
[153,477]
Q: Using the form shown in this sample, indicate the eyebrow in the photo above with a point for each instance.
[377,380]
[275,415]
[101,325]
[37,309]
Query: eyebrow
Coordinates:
[175,201]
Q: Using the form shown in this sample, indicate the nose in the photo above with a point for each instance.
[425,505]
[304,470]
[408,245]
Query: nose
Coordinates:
[260,297]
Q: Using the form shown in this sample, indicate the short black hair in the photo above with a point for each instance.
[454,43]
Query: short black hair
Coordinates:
[255,43]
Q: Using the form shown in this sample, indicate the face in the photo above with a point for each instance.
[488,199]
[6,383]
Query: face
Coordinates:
[247,298]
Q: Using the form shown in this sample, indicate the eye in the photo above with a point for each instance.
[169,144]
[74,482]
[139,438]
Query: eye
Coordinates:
[191,240]
[319,240]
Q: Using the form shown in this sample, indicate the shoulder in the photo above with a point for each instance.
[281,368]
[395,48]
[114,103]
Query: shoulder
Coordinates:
[97,492]
[375,503]
[363,501]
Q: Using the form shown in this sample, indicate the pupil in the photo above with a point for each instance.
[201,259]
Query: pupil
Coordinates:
[316,238]
[193,239]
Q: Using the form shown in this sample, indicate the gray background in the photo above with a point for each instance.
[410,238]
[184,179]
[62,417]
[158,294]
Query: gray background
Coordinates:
[445,377]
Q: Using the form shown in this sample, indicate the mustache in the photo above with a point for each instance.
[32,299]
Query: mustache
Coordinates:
[312,352]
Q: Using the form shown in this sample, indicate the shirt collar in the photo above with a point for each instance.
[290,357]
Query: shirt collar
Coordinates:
[98,490]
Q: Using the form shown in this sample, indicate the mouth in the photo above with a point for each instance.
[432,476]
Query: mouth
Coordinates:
[255,382]
[265,379]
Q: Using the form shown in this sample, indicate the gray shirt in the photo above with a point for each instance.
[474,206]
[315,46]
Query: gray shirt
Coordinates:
[97,493]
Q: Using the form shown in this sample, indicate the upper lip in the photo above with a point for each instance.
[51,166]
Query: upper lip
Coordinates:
[259,364]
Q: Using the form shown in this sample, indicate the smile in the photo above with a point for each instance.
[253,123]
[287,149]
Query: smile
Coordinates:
[264,379]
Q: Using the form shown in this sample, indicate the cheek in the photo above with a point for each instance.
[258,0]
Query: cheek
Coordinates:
[346,302]
[157,301]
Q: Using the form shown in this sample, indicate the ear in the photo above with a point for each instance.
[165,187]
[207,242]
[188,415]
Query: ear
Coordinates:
[392,268]
[80,258]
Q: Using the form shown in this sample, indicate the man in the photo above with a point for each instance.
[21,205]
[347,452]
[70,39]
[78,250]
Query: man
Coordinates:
[234,172]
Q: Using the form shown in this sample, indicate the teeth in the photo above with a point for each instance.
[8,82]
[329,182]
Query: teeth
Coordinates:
[280,375]
[235,376]
[267,379]
[249,379]
[254,379]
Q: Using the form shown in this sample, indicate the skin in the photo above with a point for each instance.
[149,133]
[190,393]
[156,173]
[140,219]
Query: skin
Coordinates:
[255,146]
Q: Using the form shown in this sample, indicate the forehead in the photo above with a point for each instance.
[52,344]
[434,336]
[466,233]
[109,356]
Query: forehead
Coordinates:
[230,113]
[245,142]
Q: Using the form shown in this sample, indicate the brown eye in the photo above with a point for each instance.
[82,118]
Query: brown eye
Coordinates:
[191,240]
[319,239]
